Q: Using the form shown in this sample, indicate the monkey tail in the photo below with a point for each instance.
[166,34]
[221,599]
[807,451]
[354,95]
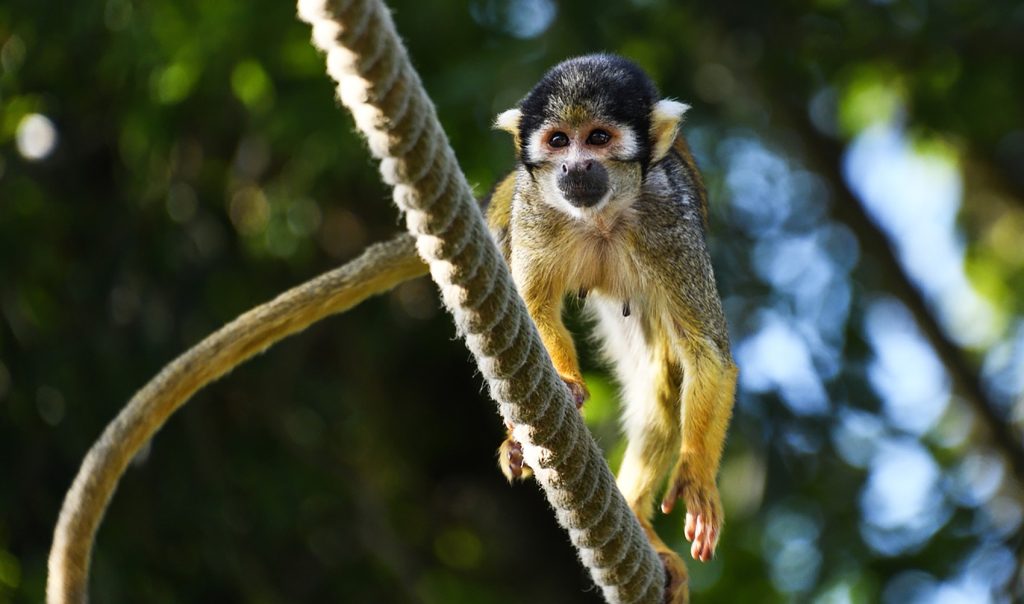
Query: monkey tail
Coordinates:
[377,270]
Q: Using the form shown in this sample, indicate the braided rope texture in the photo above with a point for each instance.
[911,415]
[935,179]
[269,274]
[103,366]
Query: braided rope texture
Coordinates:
[377,270]
[377,83]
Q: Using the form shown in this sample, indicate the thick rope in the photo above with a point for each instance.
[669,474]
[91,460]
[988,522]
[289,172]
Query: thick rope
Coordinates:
[379,86]
[377,270]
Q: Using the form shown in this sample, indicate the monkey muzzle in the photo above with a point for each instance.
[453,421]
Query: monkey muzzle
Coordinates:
[583,184]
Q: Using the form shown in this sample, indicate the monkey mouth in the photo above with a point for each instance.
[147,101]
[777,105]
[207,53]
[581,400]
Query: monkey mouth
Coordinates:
[585,197]
[586,212]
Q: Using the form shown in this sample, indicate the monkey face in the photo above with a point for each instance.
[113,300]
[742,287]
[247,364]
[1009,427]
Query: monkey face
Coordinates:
[583,168]
[588,132]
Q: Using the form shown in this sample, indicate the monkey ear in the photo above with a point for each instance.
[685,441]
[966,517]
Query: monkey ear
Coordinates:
[509,122]
[666,116]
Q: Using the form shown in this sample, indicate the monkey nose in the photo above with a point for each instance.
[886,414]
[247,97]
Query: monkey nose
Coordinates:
[586,167]
[583,184]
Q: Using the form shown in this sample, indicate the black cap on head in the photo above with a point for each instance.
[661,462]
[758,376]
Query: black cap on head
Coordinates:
[601,86]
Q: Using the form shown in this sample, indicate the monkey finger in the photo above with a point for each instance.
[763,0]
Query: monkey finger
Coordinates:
[705,540]
[690,529]
[712,542]
[705,552]
[709,547]
[667,505]
[705,548]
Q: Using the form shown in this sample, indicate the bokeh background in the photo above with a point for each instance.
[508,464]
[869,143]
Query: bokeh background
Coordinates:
[165,165]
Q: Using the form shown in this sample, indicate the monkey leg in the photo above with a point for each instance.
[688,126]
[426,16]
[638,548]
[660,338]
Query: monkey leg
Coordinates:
[651,419]
[709,385]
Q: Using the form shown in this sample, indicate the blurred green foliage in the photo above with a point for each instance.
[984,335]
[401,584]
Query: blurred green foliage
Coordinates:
[166,165]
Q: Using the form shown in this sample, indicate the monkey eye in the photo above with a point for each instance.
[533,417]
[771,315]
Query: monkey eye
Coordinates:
[559,139]
[599,137]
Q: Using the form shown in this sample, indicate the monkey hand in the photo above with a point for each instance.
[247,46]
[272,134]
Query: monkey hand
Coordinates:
[510,453]
[703,509]
[577,389]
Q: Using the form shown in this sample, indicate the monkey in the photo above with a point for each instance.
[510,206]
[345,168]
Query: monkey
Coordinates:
[607,200]
[606,203]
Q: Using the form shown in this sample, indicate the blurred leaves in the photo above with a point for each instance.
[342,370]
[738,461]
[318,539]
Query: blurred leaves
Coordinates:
[166,165]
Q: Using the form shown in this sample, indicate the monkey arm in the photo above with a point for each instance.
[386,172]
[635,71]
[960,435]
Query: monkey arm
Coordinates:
[695,325]
[544,303]
[708,389]
[558,342]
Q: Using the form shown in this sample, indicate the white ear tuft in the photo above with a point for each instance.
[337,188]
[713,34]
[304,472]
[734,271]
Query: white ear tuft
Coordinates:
[665,119]
[669,109]
[508,120]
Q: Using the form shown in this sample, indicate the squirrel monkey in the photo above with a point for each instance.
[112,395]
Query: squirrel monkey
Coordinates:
[606,203]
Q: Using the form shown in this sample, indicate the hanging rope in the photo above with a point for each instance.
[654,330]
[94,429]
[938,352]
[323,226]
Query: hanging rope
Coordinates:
[377,83]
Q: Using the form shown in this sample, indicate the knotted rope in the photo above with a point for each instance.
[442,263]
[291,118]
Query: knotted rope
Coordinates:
[377,83]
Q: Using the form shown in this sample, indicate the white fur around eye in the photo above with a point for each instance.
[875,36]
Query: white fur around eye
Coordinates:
[627,145]
[536,148]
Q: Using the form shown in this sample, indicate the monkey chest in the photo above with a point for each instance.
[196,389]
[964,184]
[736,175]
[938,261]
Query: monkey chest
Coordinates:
[605,264]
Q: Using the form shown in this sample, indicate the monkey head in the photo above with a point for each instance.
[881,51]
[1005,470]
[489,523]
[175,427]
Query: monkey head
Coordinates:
[589,131]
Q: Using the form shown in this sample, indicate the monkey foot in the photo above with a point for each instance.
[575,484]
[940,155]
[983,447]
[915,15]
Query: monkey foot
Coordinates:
[703,512]
[510,459]
[676,589]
